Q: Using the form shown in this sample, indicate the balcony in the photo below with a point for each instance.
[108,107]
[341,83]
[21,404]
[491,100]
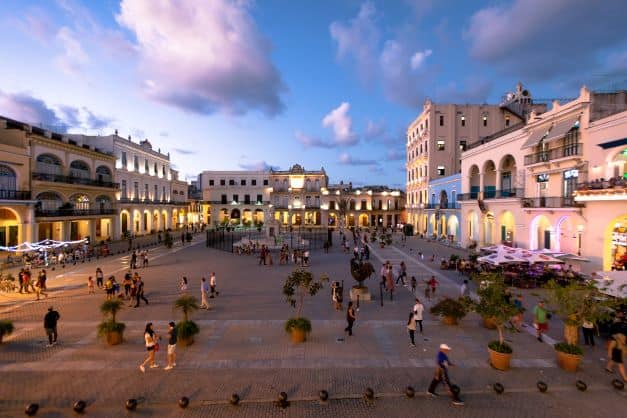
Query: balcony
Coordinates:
[614,188]
[550,202]
[58,178]
[15,195]
[137,200]
[565,151]
[493,194]
[74,213]
[448,205]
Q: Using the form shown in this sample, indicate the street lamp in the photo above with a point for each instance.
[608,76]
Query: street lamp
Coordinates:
[579,233]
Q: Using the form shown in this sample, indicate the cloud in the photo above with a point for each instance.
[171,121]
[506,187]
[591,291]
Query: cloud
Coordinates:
[359,39]
[374,130]
[184,151]
[401,82]
[204,57]
[92,121]
[342,125]
[257,166]
[309,141]
[74,57]
[396,155]
[346,159]
[30,110]
[474,90]
[536,39]
[37,24]
[419,57]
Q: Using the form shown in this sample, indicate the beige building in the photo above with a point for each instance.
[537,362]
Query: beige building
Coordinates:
[438,136]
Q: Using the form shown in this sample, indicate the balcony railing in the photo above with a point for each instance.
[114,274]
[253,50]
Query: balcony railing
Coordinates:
[448,205]
[550,202]
[150,201]
[58,178]
[493,194]
[14,195]
[50,213]
[554,154]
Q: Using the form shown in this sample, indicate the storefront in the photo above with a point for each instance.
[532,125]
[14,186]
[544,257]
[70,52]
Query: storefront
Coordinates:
[619,245]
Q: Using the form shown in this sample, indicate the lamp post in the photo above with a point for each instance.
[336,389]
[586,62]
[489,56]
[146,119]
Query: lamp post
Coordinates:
[579,233]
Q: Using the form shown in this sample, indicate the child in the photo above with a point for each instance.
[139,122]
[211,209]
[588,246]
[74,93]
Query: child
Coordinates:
[413,285]
[411,328]
[90,286]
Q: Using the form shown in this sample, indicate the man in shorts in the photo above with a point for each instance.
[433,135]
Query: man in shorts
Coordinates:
[172,338]
[540,316]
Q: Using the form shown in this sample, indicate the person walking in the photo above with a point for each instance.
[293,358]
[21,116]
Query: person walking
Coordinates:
[134,260]
[402,273]
[350,319]
[50,325]
[419,308]
[616,352]
[99,278]
[413,285]
[172,339]
[540,320]
[90,286]
[463,289]
[441,375]
[433,283]
[40,285]
[127,282]
[150,339]
[204,289]
[411,328]
[184,285]
[588,332]
[212,285]
[139,292]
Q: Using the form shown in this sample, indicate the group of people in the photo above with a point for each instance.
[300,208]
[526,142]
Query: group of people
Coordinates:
[207,290]
[151,341]
[28,285]
[133,287]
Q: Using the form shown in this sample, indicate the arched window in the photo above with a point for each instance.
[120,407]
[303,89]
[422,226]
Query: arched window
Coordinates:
[49,164]
[79,169]
[103,174]
[49,201]
[7,180]
[80,202]
[103,202]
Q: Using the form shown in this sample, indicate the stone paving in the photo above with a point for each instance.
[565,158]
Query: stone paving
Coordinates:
[242,348]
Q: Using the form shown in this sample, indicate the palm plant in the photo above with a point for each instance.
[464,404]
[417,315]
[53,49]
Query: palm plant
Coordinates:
[186,329]
[109,327]
[187,304]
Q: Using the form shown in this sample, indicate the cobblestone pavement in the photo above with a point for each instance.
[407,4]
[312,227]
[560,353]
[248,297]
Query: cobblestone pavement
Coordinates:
[242,348]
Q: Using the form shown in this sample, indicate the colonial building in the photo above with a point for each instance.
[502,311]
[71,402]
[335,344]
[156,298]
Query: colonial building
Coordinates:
[151,198]
[438,136]
[443,209]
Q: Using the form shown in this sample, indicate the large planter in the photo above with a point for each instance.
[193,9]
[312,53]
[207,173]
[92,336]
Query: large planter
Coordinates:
[114,338]
[489,323]
[449,320]
[568,362]
[298,335]
[571,334]
[499,361]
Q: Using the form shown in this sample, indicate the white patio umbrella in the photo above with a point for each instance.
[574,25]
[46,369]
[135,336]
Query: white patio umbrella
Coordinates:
[502,257]
[536,257]
[497,248]
[613,283]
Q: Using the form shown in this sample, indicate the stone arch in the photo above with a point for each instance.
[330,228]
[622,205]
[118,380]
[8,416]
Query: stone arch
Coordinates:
[507,168]
[80,169]
[443,199]
[540,233]
[489,179]
[453,227]
[80,201]
[137,221]
[164,220]
[363,220]
[474,181]
[156,222]
[146,221]
[49,200]
[507,227]
[48,163]
[8,182]
[125,221]
[103,174]
[488,228]
[10,227]
[433,226]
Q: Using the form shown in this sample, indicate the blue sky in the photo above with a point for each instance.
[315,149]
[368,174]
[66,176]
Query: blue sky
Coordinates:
[242,84]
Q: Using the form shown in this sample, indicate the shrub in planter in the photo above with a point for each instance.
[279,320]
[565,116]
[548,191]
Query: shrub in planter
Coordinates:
[450,310]
[186,329]
[109,328]
[298,284]
[568,356]
[6,328]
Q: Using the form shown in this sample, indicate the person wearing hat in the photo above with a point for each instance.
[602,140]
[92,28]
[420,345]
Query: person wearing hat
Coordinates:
[50,325]
[172,338]
[441,375]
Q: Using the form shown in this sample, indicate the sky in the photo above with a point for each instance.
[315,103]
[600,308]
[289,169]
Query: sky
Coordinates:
[243,84]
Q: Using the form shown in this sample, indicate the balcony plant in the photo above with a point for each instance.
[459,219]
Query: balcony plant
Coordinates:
[298,284]
[109,328]
[450,310]
[493,307]
[6,328]
[186,329]
[576,303]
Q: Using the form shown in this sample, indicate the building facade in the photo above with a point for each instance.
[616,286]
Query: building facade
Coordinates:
[438,136]
[443,209]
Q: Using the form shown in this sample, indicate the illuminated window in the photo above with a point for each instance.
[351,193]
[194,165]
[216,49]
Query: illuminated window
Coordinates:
[440,145]
[485,121]
[441,170]
[463,120]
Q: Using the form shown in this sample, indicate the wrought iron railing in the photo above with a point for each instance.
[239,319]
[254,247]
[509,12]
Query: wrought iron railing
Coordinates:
[58,178]
[15,195]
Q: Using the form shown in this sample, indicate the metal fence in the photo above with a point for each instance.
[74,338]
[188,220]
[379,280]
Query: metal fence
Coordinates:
[224,240]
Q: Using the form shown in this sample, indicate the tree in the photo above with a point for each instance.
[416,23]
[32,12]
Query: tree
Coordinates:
[300,283]
[187,304]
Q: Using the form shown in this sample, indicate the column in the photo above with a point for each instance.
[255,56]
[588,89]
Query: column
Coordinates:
[92,230]
[481,179]
[115,227]
[498,182]
[66,231]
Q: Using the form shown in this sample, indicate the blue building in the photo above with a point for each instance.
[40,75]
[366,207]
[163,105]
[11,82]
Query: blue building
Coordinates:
[443,209]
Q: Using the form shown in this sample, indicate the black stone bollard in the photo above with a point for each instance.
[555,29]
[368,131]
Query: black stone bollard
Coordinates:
[79,406]
[31,409]
[542,387]
[410,392]
[498,388]
[369,394]
[618,385]
[131,404]
[184,402]
[234,399]
[324,395]
[581,385]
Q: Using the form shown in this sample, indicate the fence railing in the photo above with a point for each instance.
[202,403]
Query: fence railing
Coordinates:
[15,195]
[550,202]
[554,154]
[58,178]
[224,240]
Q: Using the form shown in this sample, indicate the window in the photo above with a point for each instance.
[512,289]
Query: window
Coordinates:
[211,182]
[432,197]
[506,120]
[163,193]
[236,198]
[427,124]
[462,145]
[421,149]
[146,169]
[163,170]
[265,182]
[156,195]
[485,120]
[156,170]
[123,189]
[441,170]
[441,120]
[146,191]
[247,199]
[223,199]
[332,205]
[242,182]
[463,120]
[253,182]
[363,205]
[380,204]
[124,161]
[426,146]
[440,144]
[222,182]
[136,163]
[231,182]
[136,190]
[259,199]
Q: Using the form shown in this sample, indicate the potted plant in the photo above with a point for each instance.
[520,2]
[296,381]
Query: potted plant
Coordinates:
[493,306]
[450,310]
[575,303]
[186,329]
[109,328]
[6,328]
[296,286]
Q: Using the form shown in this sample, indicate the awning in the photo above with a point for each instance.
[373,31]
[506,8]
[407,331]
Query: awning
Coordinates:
[613,144]
[535,138]
[560,129]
